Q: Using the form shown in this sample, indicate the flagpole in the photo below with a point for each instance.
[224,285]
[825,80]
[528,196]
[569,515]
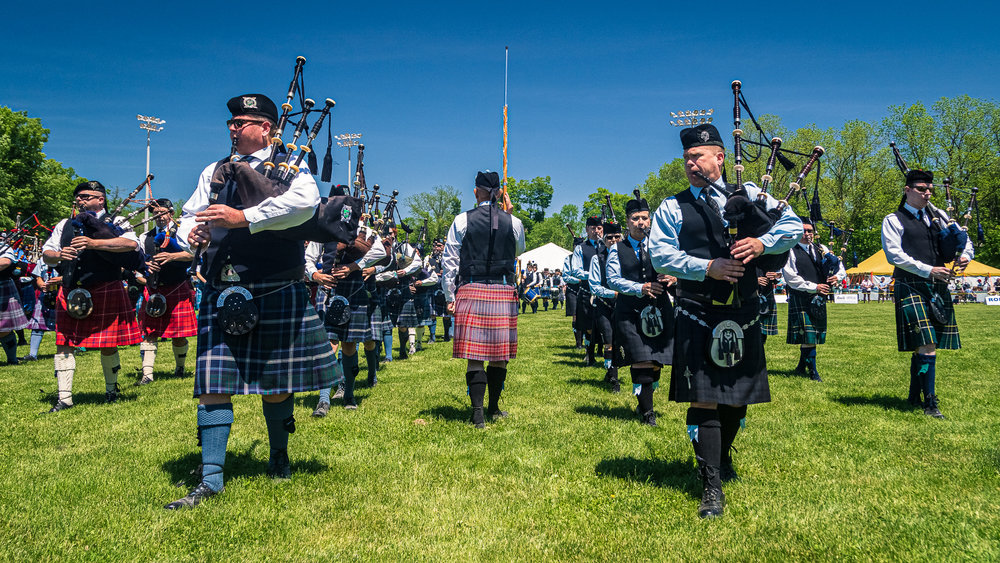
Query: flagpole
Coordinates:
[505,58]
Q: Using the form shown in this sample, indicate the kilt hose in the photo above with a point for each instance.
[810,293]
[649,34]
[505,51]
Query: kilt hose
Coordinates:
[570,300]
[804,327]
[632,345]
[179,321]
[769,320]
[358,327]
[694,377]
[42,318]
[485,322]
[112,323]
[286,352]
[915,326]
[11,312]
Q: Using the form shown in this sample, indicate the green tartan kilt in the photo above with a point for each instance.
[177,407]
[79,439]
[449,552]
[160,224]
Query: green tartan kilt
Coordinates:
[803,327]
[915,326]
[769,320]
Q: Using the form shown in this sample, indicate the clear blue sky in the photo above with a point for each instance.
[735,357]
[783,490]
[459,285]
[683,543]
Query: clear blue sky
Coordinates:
[591,84]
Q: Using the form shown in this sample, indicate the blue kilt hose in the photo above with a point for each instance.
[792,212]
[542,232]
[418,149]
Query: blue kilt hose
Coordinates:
[695,378]
[358,328]
[286,352]
[915,326]
[804,325]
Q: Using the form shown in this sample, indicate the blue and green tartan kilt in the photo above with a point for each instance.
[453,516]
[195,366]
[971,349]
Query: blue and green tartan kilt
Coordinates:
[804,327]
[286,352]
[408,316]
[357,329]
[425,313]
[915,326]
[769,320]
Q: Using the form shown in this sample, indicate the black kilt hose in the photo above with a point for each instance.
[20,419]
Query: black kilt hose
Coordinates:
[915,325]
[632,345]
[286,352]
[805,325]
[358,328]
[695,378]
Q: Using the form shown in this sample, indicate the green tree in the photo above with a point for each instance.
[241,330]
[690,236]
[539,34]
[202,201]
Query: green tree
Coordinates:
[596,205]
[668,181]
[533,197]
[439,206]
[553,229]
[29,182]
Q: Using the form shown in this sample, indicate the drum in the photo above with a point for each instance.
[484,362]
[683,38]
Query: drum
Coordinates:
[531,295]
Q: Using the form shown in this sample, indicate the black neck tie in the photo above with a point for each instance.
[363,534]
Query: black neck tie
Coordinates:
[707,191]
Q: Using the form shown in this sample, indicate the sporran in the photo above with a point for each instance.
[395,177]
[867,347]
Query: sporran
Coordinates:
[237,313]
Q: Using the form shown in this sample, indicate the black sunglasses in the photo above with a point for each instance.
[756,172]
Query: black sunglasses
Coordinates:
[241,123]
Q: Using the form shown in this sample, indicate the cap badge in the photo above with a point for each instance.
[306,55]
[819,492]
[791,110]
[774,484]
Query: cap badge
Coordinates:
[704,136]
[249,102]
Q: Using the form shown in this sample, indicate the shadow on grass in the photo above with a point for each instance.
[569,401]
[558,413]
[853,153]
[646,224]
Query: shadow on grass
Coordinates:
[615,413]
[49,398]
[676,474]
[786,373]
[184,471]
[885,401]
[596,381]
[447,412]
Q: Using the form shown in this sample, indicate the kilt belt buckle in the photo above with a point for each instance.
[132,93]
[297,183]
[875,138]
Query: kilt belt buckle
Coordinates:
[725,349]
[79,303]
[156,305]
[237,313]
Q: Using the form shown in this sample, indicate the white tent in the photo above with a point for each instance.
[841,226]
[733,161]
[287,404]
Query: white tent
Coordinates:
[549,256]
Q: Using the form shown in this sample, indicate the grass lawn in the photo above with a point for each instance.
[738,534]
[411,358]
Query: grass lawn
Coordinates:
[841,469]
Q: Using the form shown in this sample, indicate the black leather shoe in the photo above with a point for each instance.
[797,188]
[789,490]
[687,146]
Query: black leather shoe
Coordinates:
[647,418]
[616,386]
[278,467]
[112,396]
[713,501]
[496,414]
[322,409]
[815,376]
[144,381]
[29,359]
[60,406]
[931,407]
[192,499]
[477,417]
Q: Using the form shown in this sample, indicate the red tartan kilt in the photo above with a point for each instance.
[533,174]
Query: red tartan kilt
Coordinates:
[111,324]
[179,321]
[485,322]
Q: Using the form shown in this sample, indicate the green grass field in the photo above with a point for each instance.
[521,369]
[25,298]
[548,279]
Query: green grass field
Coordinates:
[843,469]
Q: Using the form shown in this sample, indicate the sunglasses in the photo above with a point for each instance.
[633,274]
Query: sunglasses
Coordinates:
[86,197]
[241,123]
[922,188]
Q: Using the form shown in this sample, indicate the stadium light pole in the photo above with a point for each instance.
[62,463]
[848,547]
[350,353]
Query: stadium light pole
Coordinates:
[150,125]
[348,140]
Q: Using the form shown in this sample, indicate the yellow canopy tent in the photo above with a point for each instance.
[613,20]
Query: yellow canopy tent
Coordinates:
[878,265]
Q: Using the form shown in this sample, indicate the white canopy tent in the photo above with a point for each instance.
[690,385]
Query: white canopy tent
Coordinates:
[549,256]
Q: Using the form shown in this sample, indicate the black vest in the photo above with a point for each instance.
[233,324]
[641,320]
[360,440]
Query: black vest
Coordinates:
[701,236]
[919,241]
[487,254]
[171,273]
[807,268]
[589,251]
[635,270]
[255,257]
[91,267]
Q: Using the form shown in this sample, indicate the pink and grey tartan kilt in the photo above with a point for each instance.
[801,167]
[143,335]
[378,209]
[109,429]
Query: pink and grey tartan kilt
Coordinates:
[485,322]
[179,321]
[11,312]
[111,324]
[42,318]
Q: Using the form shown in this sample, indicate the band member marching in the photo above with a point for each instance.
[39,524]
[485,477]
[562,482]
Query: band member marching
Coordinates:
[257,332]
[168,299]
[579,268]
[808,285]
[439,307]
[718,362]
[45,283]
[12,316]
[572,290]
[348,316]
[479,285]
[400,280]
[92,307]
[925,314]
[644,315]
[604,302]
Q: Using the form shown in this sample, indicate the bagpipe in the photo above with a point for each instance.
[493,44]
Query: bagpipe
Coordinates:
[156,305]
[952,238]
[336,218]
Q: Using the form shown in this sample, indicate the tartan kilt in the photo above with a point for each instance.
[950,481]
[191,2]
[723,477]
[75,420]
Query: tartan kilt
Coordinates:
[485,322]
[632,346]
[604,314]
[112,323]
[42,318]
[11,312]
[422,302]
[286,352]
[803,327]
[436,310]
[769,320]
[380,320]
[408,316]
[915,326]
[179,321]
[570,300]
[693,377]
[584,312]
